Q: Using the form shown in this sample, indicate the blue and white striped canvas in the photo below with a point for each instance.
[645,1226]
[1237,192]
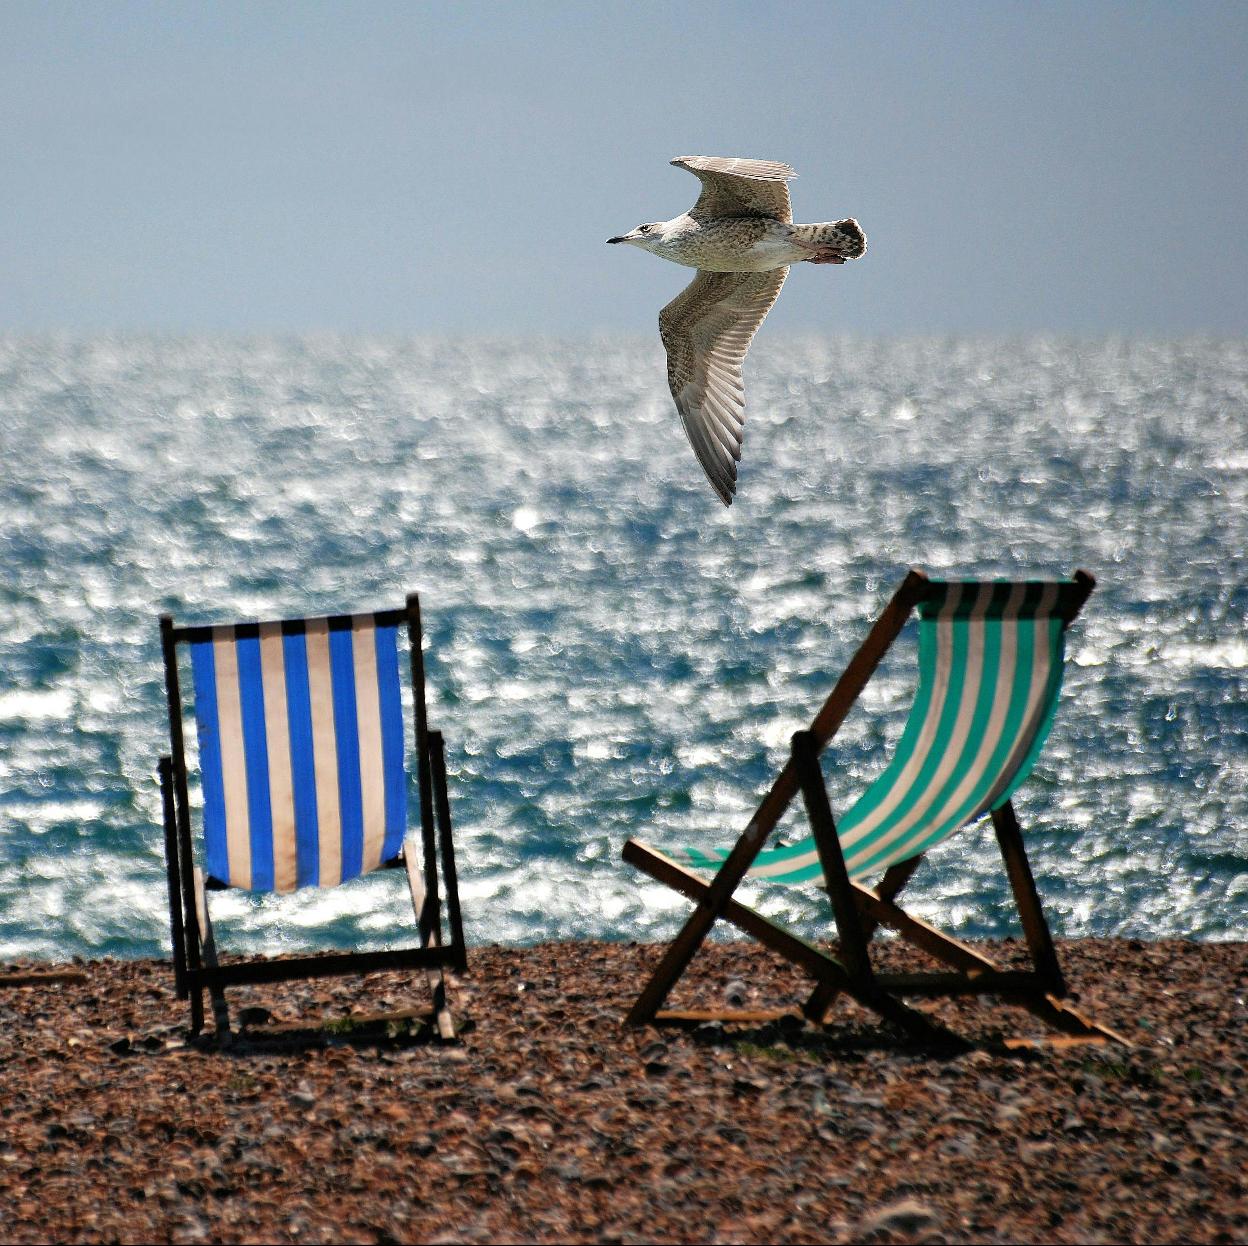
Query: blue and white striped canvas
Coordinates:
[301,751]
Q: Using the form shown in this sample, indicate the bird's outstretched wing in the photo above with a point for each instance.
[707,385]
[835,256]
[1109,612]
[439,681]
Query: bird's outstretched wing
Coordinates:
[735,187]
[707,329]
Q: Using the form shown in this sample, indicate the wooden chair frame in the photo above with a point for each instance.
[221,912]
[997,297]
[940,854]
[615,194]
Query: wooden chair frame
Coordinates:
[195,963]
[859,911]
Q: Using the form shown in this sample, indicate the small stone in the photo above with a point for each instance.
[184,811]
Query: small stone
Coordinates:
[958,1147]
[907,1216]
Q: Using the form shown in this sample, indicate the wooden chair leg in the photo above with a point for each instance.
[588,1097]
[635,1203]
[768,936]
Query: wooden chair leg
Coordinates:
[870,995]
[430,928]
[819,1001]
[1035,927]
[1041,1003]
[915,1023]
[208,951]
[177,930]
[831,858]
[852,944]
[450,875]
[888,888]
[196,992]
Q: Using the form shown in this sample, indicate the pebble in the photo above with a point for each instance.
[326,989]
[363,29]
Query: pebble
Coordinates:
[906,1216]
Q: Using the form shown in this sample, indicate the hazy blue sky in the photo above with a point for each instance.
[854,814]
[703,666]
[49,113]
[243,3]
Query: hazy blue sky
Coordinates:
[438,168]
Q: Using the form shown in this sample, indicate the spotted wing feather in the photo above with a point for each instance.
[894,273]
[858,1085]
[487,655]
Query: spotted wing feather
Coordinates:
[732,186]
[707,329]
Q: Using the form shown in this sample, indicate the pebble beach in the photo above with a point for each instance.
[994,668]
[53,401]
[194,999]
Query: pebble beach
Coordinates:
[330,1114]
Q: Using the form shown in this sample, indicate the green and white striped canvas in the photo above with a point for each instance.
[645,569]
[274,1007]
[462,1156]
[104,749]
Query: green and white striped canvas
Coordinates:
[990,669]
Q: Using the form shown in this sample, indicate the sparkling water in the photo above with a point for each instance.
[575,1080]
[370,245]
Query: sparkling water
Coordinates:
[610,651]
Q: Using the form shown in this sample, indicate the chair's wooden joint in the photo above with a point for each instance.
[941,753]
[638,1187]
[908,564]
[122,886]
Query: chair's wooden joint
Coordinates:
[914,588]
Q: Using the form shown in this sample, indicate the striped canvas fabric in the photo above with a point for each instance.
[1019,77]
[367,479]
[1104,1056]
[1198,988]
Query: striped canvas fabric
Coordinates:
[301,750]
[990,670]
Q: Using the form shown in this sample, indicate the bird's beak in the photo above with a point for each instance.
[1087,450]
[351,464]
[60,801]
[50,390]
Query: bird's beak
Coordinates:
[620,238]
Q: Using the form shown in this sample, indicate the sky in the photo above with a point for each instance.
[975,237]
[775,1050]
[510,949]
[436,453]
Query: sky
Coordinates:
[447,169]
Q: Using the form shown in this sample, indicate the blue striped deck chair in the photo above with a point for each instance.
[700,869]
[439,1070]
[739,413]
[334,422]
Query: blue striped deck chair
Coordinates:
[303,763]
[990,671]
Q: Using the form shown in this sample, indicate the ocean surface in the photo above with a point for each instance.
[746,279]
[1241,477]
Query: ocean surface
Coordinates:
[611,651]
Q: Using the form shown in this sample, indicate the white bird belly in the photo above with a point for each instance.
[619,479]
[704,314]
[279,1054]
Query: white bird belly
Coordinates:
[760,257]
[735,245]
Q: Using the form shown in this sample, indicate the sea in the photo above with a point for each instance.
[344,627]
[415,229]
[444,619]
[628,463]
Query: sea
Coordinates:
[610,651]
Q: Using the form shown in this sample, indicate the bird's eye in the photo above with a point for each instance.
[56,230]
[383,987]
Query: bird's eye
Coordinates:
[645,229]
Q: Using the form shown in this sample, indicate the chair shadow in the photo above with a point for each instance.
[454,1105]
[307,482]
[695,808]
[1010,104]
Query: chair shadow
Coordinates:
[842,1041]
[385,1031]
[260,1035]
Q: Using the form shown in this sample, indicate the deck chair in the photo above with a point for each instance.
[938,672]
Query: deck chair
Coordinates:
[990,669]
[302,764]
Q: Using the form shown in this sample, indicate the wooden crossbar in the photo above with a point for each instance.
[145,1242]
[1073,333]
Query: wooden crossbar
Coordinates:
[933,941]
[738,1016]
[42,977]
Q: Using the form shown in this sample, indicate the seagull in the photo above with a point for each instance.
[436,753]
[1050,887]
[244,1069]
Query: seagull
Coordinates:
[741,238]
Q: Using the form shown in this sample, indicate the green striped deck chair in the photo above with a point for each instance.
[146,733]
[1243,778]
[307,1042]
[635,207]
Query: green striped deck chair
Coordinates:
[303,781]
[990,670]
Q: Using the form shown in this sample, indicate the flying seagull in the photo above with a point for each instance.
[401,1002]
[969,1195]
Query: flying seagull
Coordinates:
[741,238]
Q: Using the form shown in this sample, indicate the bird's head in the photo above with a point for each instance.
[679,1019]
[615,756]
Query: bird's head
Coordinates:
[647,237]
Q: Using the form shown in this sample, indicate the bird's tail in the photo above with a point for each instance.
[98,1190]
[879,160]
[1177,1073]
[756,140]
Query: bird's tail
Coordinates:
[832,241]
